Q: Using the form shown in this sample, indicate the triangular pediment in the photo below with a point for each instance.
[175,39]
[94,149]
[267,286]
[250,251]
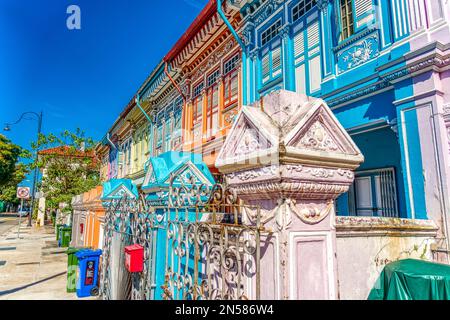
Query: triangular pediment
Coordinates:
[286,127]
[252,135]
[120,192]
[187,174]
[117,188]
[319,131]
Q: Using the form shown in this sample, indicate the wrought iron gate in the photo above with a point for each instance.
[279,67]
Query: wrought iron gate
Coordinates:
[198,235]
[126,223]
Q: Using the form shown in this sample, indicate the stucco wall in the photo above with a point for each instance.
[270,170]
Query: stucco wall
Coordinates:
[362,254]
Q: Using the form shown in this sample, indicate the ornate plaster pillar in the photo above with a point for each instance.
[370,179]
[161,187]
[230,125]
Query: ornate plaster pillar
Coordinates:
[286,57]
[253,75]
[204,126]
[325,9]
[291,157]
[154,131]
[172,122]
[221,91]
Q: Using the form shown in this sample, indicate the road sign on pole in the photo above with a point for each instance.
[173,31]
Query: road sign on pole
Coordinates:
[23,192]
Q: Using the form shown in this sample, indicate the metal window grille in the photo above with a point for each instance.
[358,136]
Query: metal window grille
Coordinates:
[198,90]
[301,8]
[374,193]
[271,32]
[212,78]
[230,65]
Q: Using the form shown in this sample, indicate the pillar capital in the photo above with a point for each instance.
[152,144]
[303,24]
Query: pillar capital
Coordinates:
[322,4]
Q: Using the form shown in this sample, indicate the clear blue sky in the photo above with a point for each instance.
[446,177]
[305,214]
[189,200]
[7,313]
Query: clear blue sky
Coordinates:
[81,78]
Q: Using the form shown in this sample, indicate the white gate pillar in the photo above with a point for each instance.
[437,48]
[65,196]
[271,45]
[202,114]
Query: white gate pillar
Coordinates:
[290,156]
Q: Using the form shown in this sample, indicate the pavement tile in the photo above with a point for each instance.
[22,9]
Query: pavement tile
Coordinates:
[31,272]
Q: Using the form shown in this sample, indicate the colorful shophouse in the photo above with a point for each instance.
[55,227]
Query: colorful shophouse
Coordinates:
[162,100]
[381,65]
[207,58]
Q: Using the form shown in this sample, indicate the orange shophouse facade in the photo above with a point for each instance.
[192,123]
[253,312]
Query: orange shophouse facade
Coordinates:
[89,215]
[209,58]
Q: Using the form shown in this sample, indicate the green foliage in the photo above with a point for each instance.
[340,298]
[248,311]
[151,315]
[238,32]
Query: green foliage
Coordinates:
[8,191]
[12,172]
[70,170]
[9,156]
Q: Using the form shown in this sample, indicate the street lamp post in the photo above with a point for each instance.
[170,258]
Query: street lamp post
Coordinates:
[33,188]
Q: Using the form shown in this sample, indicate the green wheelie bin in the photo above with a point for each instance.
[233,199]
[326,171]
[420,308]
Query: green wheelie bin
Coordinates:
[72,265]
[66,236]
[54,219]
[58,230]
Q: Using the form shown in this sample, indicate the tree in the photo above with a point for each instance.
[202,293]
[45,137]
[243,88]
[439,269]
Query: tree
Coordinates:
[68,164]
[12,172]
[8,191]
[9,155]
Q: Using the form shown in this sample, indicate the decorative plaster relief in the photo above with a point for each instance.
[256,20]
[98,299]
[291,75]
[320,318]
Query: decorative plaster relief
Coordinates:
[309,213]
[358,53]
[318,138]
[230,116]
[251,174]
[248,143]
[214,59]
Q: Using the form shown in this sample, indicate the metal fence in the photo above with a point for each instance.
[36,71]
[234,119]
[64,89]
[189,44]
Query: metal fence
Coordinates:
[197,245]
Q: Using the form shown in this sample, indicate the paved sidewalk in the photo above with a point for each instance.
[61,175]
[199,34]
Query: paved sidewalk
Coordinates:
[34,268]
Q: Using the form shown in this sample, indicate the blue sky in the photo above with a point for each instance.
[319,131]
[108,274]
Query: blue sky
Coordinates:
[81,78]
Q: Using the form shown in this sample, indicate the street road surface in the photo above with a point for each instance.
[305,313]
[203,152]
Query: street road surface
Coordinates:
[8,221]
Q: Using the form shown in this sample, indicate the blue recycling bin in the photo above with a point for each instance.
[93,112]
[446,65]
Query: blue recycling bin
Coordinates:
[87,272]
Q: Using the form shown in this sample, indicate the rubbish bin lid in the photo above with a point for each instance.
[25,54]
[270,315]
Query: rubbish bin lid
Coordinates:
[71,250]
[134,247]
[88,253]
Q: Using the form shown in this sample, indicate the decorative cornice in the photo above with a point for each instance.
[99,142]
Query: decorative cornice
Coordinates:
[354,38]
[387,80]
[347,226]
[302,190]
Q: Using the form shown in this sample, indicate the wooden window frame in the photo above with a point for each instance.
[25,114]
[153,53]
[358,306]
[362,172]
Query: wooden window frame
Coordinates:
[198,98]
[347,19]
[211,109]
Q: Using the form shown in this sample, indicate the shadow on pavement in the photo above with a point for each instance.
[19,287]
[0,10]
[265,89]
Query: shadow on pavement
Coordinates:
[2,293]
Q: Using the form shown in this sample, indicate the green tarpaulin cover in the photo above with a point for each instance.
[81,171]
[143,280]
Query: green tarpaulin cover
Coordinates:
[412,279]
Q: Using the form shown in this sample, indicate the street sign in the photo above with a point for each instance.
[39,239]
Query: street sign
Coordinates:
[23,192]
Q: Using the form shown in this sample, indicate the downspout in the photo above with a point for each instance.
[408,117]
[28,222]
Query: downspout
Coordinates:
[241,44]
[146,115]
[225,19]
[109,141]
[143,111]
[166,71]
[108,138]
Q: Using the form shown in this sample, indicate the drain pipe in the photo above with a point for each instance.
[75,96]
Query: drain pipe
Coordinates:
[142,109]
[166,71]
[108,138]
[230,27]
[241,44]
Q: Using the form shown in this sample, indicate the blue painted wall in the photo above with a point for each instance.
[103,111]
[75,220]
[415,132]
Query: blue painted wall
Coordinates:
[356,75]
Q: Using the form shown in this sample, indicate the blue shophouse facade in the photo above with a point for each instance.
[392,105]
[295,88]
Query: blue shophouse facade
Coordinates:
[351,53]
